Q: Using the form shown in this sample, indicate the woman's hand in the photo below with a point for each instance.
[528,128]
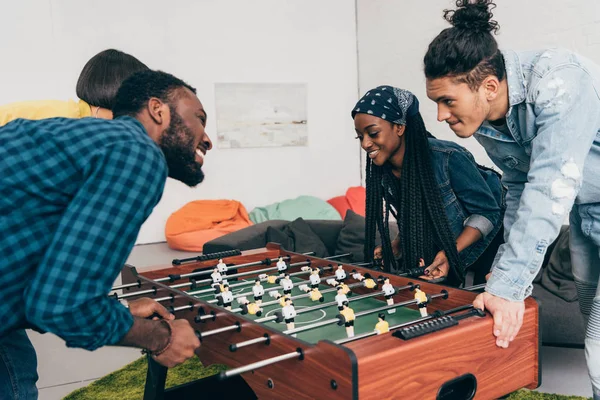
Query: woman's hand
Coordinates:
[378,252]
[439,267]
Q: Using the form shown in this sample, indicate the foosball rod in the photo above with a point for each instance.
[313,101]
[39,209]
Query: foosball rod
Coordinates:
[205,281]
[257,271]
[263,363]
[475,288]
[233,286]
[436,314]
[298,352]
[174,277]
[209,270]
[301,311]
[444,294]
[301,296]
[322,305]
[293,285]
[309,309]
[299,264]
[270,303]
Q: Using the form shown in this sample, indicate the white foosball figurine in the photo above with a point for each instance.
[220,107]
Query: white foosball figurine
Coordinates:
[349,318]
[217,278]
[422,301]
[314,278]
[281,266]
[221,266]
[226,297]
[340,273]
[289,312]
[331,282]
[388,292]
[340,298]
[258,291]
[287,284]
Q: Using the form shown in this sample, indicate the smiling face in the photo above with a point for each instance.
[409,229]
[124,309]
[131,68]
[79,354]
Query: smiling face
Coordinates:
[382,140]
[463,109]
[185,142]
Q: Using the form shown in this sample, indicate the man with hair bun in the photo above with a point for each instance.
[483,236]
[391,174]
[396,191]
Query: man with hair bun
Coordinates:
[537,114]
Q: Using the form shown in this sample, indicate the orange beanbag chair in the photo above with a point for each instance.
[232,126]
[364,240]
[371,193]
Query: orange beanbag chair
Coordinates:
[201,221]
[355,200]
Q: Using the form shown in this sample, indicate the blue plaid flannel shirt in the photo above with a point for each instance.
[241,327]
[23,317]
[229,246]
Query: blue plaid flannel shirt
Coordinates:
[73,196]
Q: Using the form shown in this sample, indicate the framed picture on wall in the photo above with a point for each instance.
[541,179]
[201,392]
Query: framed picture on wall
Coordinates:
[261,115]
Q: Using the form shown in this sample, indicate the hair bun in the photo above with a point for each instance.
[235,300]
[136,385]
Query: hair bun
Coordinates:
[473,16]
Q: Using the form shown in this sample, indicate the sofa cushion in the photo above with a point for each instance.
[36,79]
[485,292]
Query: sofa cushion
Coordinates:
[297,236]
[352,237]
[307,207]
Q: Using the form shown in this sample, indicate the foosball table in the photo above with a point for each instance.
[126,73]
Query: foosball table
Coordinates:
[297,326]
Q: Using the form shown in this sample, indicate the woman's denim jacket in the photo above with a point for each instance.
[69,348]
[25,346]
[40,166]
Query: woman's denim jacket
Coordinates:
[472,195]
[550,158]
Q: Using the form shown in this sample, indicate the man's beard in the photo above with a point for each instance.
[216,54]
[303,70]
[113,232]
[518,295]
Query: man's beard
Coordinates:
[177,144]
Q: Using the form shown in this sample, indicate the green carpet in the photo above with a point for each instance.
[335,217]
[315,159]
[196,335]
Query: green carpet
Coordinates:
[127,383]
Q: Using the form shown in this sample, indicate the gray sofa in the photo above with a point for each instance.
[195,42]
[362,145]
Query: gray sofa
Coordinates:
[561,322]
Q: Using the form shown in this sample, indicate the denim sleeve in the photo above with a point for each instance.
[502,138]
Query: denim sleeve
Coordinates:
[473,193]
[68,293]
[567,110]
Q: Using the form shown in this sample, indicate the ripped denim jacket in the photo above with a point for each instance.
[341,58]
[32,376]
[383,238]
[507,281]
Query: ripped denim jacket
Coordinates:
[549,154]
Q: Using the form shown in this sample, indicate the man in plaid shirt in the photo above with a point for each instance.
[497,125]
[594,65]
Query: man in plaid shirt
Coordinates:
[73,196]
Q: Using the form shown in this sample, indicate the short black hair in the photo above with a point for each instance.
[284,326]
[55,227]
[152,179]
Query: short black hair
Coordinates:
[467,50]
[134,93]
[381,315]
[103,74]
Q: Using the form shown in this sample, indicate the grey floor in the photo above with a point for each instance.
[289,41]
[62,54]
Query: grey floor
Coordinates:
[63,370]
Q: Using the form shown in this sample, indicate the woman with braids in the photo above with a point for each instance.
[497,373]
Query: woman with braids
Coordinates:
[448,209]
[537,114]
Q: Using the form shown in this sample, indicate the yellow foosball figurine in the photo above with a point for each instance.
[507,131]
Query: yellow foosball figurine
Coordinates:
[382,326]
[345,288]
[277,296]
[422,301]
[367,279]
[249,308]
[315,295]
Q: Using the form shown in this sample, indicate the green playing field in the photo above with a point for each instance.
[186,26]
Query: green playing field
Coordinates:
[331,332]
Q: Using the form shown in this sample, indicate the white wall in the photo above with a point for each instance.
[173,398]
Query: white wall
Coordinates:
[205,42]
[393,37]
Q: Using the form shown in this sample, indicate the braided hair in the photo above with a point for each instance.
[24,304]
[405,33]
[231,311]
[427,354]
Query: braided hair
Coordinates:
[416,203]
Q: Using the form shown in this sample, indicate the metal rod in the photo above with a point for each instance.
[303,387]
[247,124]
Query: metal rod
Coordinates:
[263,339]
[323,305]
[204,272]
[475,287]
[188,307]
[338,256]
[202,335]
[141,292]
[360,314]
[300,296]
[240,284]
[259,364]
[127,285]
[402,325]
[210,270]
